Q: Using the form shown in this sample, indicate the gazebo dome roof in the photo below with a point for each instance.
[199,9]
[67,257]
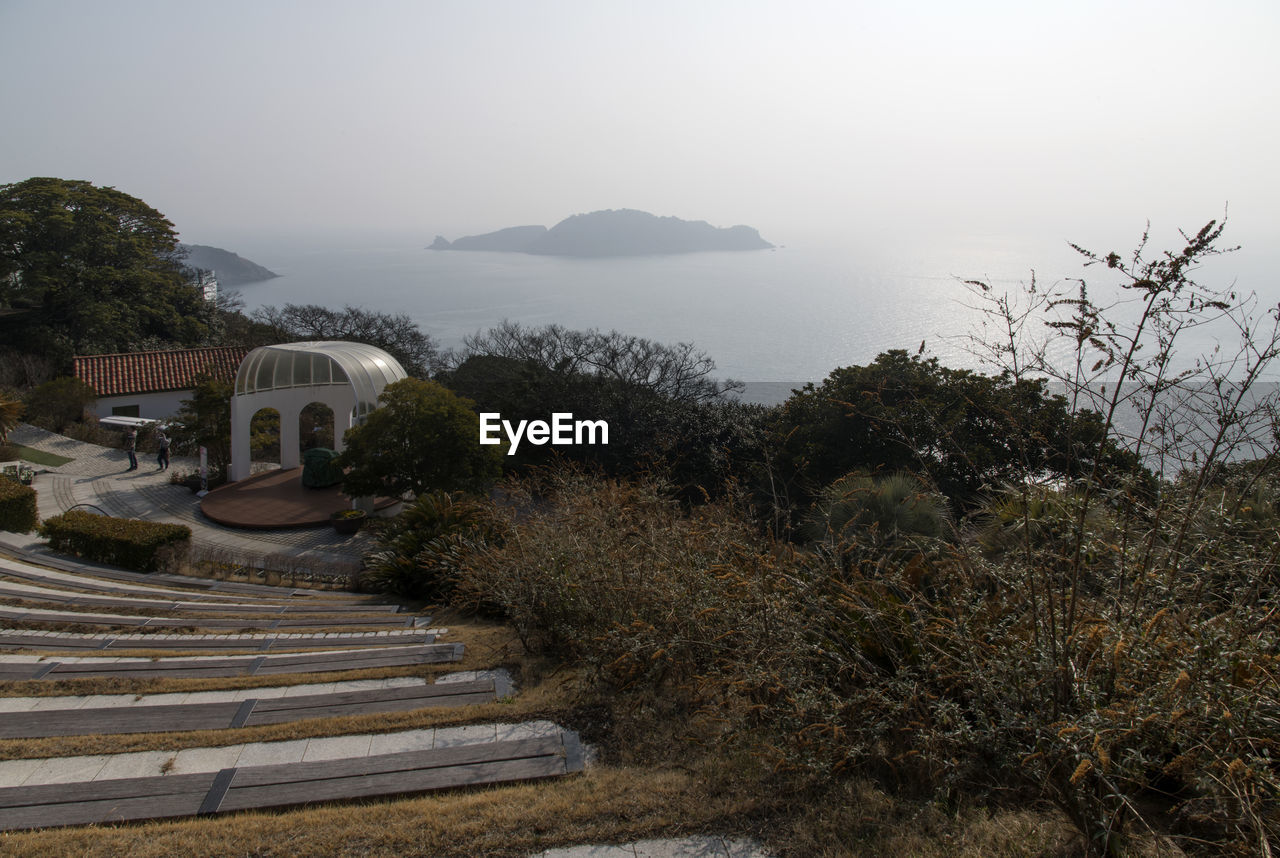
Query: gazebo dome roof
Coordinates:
[367,369]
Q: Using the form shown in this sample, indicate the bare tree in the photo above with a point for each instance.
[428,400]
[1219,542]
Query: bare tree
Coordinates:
[396,334]
[1194,546]
[681,372]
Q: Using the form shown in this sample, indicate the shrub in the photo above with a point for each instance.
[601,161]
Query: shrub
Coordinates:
[692,622]
[419,551]
[145,546]
[617,577]
[56,405]
[894,515]
[17,506]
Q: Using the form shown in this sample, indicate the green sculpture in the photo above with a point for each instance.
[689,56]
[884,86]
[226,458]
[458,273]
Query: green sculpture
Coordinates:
[318,470]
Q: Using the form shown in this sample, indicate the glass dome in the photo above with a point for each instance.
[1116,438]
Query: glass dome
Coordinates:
[366,369]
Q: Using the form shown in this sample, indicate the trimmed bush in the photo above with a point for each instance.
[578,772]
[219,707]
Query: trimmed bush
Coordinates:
[145,546]
[17,506]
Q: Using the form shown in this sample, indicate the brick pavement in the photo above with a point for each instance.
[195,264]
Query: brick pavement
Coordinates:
[97,477]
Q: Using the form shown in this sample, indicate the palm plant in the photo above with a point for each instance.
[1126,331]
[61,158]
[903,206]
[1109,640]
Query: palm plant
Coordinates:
[11,411]
[420,550]
[893,512]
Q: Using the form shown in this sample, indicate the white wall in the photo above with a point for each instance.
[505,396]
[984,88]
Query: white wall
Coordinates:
[151,405]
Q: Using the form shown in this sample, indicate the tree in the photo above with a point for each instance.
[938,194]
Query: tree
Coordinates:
[57,404]
[964,431]
[421,438]
[10,415]
[397,335]
[87,270]
[205,421]
[663,408]
[679,372]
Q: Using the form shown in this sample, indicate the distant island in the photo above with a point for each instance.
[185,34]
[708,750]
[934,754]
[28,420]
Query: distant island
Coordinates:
[613,232]
[229,268]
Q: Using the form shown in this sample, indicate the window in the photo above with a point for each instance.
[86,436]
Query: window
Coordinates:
[125,411]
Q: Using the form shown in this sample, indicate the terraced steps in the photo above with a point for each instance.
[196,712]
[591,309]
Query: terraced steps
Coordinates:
[332,632]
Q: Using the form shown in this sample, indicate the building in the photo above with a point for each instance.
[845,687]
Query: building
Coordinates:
[153,384]
[345,377]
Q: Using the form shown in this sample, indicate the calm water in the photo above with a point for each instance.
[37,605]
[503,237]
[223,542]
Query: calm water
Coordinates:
[771,318]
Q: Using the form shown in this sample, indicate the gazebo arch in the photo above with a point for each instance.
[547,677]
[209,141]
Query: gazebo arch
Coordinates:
[347,377]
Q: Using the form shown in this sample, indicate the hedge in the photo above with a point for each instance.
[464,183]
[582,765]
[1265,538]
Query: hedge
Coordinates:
[17,506]
[145,546]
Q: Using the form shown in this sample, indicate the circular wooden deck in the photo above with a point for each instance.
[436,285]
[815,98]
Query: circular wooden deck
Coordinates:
[276,499]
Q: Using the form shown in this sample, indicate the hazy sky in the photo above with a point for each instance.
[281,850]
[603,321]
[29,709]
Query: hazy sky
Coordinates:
[1076,119]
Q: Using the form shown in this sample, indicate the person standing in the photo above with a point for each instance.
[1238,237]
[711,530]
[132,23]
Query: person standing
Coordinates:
[163,458]
[131,447]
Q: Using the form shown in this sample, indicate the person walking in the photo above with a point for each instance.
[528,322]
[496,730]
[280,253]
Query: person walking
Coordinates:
[131,448]
[163,458]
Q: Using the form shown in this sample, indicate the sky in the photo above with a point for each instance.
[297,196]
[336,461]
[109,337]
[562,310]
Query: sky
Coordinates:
[807,120]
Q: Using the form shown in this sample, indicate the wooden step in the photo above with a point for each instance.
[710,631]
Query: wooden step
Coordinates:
[10,592]
[251,712]
[216,666]
[44,617]
[66,642]
[287,785]
[97,570]
[20,571]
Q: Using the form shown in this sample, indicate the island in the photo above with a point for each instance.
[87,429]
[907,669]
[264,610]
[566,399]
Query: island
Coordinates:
[613,232]
[229,268]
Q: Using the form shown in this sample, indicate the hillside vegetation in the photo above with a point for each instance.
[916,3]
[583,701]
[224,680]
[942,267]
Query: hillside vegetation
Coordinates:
[990,607]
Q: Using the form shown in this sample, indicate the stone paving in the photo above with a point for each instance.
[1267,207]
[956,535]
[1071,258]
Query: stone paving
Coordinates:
[99,477]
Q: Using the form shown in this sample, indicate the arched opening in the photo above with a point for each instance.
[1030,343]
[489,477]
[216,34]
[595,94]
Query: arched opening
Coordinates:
[315,426]
[264,436]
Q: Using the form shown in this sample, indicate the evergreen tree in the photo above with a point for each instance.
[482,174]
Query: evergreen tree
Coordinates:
[91,270]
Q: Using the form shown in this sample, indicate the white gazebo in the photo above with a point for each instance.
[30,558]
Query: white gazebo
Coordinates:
[347,377]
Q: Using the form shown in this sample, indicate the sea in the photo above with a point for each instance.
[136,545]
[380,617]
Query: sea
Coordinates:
[773,319]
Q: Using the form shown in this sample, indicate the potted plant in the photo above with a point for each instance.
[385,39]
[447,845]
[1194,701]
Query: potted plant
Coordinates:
[347,520]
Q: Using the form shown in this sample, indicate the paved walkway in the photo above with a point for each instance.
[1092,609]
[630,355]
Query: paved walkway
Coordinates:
[99,477]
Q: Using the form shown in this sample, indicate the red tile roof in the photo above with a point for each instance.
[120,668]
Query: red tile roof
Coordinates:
[154,372]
